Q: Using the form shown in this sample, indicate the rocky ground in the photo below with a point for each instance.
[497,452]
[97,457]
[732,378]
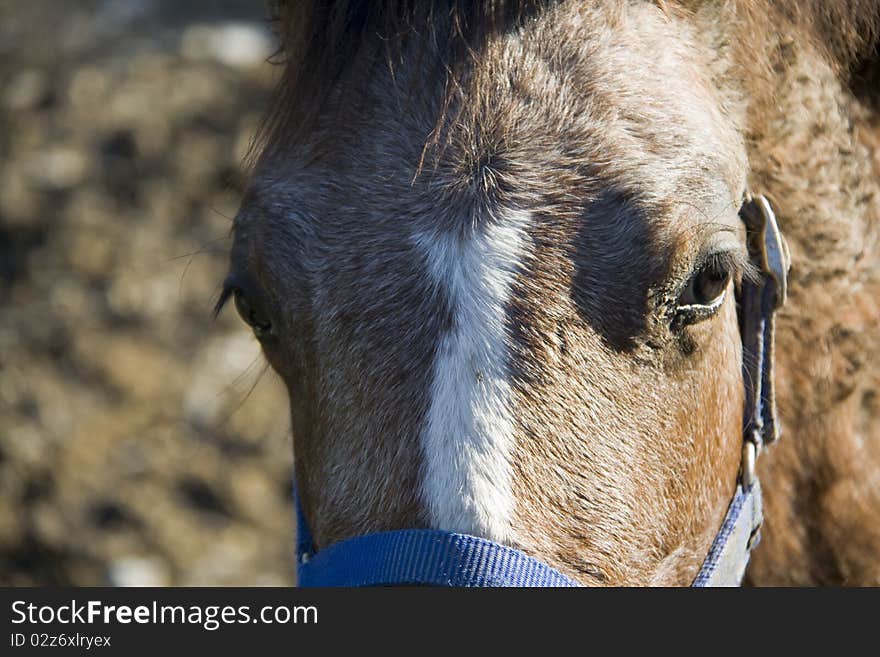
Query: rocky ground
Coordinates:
[138,443]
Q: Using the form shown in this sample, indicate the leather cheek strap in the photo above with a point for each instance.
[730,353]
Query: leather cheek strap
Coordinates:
[759,299]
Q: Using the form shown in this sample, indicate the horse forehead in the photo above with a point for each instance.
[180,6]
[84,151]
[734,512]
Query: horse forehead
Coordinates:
[360,177]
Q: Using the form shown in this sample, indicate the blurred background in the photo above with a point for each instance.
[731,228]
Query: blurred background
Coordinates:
[139,442]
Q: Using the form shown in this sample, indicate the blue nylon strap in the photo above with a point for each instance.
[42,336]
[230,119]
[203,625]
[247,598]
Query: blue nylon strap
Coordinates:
[416,557]
[728,557]
[437,558]
[425,557]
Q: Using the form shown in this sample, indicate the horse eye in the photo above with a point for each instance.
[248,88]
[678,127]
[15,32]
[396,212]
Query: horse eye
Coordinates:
[704,293]
[252,317]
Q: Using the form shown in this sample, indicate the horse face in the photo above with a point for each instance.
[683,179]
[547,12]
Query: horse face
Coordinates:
[525,330]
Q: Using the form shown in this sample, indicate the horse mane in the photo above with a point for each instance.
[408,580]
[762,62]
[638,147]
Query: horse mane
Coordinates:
[330,32]
[320,39]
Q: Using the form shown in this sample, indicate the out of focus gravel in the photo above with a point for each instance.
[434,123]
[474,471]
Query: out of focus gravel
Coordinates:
[128,453]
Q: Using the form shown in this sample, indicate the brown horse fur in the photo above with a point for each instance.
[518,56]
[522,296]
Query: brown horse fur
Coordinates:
[601,151]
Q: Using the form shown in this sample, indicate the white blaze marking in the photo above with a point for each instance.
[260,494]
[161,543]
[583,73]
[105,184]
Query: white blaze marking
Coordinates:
[468,436]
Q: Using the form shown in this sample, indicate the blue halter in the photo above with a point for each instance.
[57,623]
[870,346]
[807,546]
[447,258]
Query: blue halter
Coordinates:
[430,557]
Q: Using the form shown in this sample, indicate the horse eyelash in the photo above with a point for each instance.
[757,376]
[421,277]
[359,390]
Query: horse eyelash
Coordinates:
[225,296]
[735,262]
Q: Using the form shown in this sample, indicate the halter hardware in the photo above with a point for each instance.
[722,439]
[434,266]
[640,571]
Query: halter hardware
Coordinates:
[759,300]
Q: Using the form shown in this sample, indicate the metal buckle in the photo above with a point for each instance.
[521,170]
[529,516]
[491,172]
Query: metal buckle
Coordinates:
[747,465]
[767,246]
[754,537]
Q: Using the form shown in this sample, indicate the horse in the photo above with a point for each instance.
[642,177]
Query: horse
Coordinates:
[495,252]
